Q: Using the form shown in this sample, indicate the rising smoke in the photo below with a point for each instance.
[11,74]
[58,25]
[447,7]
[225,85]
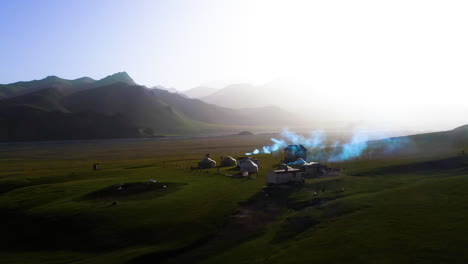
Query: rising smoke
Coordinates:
[334,150]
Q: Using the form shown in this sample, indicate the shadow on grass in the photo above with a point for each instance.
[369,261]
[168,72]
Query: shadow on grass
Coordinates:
[133,191]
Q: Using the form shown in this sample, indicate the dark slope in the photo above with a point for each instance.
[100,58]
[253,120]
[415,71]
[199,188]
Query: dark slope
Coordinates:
[201,111]
[26,123]
[168,112]
[461,129]
[48,99]
[135,102]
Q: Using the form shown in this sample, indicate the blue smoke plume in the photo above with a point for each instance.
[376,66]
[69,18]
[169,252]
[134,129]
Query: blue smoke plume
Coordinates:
[316,139]
[334,151]
[352,149]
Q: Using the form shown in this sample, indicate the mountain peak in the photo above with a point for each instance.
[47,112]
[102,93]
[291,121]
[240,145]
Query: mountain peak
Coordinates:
[51,78]
[117,77]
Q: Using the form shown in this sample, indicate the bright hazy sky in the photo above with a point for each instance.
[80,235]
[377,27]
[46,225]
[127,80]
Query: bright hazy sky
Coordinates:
[396,54]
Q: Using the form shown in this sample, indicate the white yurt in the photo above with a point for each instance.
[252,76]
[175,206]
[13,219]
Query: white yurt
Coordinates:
[248,166]
[228,162]
[206,163]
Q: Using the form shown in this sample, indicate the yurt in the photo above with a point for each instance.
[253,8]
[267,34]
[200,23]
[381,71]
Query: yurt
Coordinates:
[249,167]
[206,163]
[228,162]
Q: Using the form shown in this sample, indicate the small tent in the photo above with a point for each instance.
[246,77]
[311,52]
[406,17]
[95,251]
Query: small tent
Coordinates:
[228,161]
[206,163]
[248,166]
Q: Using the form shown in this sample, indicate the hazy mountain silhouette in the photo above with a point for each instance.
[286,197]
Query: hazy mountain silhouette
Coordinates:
[200,91]
[244,95]
[85,108]
[171,90]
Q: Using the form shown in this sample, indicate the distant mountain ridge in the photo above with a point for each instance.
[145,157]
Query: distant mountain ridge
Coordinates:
[200,91]
[87,108]
[21,88]
[245,95]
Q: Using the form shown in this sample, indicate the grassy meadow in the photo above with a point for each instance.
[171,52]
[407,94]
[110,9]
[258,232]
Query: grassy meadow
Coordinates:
[409,206]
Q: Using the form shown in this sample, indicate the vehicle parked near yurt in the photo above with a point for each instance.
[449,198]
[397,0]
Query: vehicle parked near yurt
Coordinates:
[228,162]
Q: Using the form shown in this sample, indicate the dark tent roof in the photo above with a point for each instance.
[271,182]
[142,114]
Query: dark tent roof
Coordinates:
[295,147]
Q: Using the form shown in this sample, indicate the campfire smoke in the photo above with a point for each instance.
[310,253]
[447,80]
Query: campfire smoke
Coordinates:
[333,150]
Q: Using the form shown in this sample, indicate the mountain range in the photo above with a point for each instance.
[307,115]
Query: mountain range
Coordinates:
[244,95]
[116,107]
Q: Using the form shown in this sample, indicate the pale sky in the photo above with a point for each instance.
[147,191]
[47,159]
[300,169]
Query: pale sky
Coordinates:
[398,57]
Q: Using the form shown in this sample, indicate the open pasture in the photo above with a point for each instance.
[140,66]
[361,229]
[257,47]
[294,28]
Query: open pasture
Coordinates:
[407,207]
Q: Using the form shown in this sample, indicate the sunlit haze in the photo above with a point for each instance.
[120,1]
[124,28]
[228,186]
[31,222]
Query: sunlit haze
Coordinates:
[396,63]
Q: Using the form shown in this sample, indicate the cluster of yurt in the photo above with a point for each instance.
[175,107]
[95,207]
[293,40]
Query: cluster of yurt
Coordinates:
[246,165]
